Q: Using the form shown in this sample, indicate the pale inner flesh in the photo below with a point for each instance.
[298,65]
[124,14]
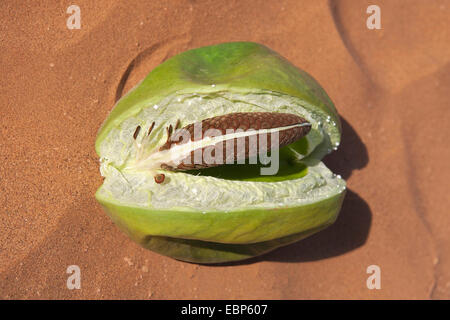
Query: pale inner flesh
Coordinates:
[224,188]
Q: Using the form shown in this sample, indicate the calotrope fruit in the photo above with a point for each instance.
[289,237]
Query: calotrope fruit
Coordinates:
[215,156]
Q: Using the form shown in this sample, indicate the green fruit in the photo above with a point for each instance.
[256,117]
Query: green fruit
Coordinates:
[230,212]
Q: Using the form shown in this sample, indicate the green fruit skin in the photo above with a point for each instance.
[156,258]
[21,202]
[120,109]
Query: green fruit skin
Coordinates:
[233,66]
[214,237]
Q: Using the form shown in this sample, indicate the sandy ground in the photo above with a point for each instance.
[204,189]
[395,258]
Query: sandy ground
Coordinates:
[390,87]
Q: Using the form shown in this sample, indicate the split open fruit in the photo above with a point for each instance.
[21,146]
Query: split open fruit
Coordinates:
[229,212]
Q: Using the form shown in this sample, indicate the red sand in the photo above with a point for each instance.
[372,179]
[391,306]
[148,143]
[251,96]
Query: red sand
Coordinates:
[390,87]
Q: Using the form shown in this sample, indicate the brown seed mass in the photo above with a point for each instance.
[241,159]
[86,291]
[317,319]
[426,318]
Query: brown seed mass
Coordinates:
[239,120]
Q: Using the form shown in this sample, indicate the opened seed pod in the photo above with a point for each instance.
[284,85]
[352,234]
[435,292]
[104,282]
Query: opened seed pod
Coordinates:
[215,156]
